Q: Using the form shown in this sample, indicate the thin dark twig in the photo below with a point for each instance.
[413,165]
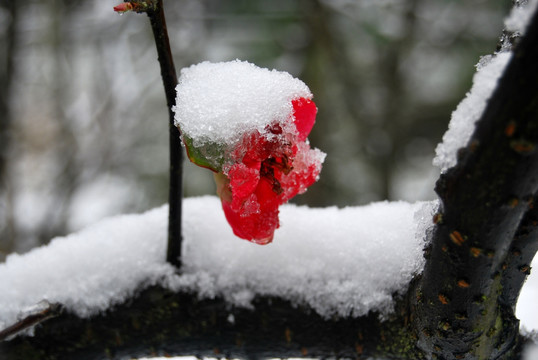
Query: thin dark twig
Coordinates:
[169,77]
[44,312]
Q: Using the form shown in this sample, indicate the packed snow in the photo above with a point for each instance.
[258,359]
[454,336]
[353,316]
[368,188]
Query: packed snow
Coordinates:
[469,110]
[489,70]
[520,16]
[87,271]
[322,257]
[339,261]
[216,102]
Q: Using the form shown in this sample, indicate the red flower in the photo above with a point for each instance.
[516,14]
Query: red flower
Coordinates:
[268,170]
[304,113]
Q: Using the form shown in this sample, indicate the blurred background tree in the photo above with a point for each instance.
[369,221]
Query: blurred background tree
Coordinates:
[83,121]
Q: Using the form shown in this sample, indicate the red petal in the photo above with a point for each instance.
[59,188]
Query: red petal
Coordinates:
[243,182]
[305,172]
[267,198]
[257,218]
[256,227]
[304,111]
[267,171]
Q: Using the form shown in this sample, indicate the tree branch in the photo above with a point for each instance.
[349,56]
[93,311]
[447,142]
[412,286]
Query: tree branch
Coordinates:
[155,11]
[168,73]
[43,312]
[159,322]
[484,199]
[516,266]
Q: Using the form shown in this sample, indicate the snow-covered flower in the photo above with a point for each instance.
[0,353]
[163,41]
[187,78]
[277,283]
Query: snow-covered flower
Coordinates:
[250,126]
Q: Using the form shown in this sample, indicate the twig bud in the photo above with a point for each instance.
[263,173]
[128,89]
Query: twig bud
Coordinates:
[123,7]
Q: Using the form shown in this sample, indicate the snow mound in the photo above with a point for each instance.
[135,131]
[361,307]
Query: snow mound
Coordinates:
[520,16]
[339,261]
[469,110]
[88,271]
[216,102]
[489,70]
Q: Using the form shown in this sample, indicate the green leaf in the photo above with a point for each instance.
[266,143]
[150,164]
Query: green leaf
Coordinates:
[210,156]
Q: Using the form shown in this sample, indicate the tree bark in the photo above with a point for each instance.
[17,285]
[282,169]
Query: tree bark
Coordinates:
[169,78]
[485,237]
[159,322]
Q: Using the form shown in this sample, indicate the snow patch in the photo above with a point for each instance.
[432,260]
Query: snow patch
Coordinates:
[339,261]
[489,69]
[526,304]
[217,102]
[469,110]
[520,16]
[88,271]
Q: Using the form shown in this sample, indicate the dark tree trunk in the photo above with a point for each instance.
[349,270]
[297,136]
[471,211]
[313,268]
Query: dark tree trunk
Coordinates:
[486,238]
[158,322]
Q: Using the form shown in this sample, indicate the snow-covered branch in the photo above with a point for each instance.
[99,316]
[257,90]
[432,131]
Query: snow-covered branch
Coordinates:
[487,207]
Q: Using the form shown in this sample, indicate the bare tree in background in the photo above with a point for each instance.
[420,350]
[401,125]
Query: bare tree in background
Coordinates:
[6,78]
[84,99]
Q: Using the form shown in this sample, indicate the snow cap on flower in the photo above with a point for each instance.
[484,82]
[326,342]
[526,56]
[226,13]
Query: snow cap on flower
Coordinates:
[217,102]
[249,125]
